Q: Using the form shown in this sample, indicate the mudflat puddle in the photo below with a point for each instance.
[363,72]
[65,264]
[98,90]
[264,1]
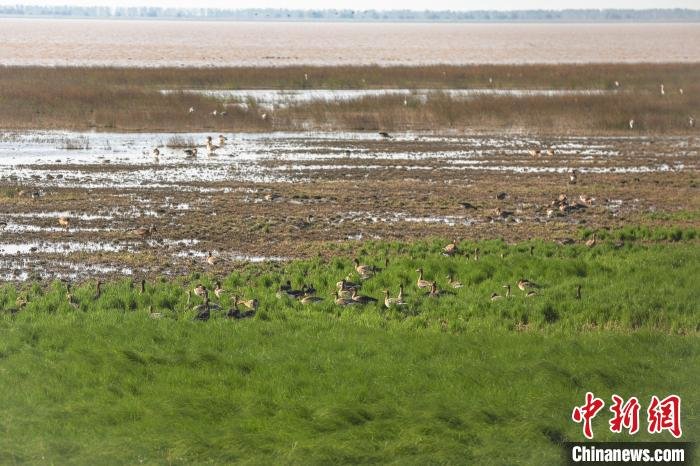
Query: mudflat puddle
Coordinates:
[119,160]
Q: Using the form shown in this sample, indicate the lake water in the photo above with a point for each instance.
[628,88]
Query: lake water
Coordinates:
[221,43]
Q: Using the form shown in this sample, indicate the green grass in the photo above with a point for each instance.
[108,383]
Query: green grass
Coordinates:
[446,381]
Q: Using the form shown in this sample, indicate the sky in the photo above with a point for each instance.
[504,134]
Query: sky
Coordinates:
[381,4]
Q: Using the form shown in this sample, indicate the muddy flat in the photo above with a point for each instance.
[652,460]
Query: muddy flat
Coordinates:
[49,42]
[275,196]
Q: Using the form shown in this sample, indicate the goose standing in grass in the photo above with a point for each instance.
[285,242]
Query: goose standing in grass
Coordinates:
[346,286]
[218,290]
[421,283]
[391,302]
[592,242]
[434,291]
[362,299]
[211,148]
[64,222]
[450,249]
[454,283]
[399,297]
[203,310]
[507,287]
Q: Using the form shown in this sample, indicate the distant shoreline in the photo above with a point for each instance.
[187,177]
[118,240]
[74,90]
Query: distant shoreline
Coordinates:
[583,16]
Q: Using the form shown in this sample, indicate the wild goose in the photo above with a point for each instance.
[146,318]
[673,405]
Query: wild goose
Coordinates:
[249,303]
[365,271]
[211,260]
[341,301]
[98,289]
[218,290]
[362,299]
[530,294]
[155,153]
[399,297]
[344,285]
[592,242]
[64,222]
[507,287]
[573,177]
[434,292]
[467,206]
[450,249]
[222,140]
[211,148]
[453,283]
[578,291]
[384,134]
[200,290]
[391,302]
[310,299]
[154,315]
[191,153]
[143,286]
[587,200]
[420,283]
[144,232]
[202,310]
[496,296]
[525,284]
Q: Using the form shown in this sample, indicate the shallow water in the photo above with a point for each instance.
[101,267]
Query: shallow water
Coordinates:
[222,43]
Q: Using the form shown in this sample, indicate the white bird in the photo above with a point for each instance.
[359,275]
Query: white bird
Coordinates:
[263,116]
[617,83]
[661,88]
[691,122]
[191,110]
[680,91]
[306,77]
[631,124]
[405,102]
[215,112]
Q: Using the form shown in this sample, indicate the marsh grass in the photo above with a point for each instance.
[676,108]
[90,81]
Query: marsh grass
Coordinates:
[128,99]
[459,380]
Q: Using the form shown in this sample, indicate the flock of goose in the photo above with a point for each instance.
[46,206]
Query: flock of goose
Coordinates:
[348,289]
[191,152]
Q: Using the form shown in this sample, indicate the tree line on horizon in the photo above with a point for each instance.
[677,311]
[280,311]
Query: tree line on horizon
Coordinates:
[271,14]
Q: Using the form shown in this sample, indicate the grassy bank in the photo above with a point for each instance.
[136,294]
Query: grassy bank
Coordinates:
[124,99]
[114,388]
[458,379]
